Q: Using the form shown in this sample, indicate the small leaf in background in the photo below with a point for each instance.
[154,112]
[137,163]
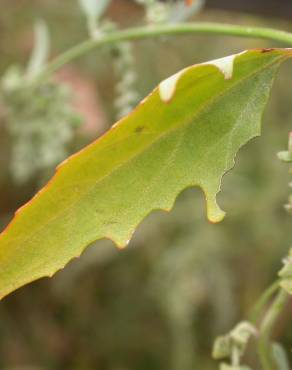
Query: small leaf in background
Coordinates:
[94,8]
[222,347]
[181,11]
[230,367]
[185,133]
[156,11]
[41,49]
[280,357]
[286,274]
[242,333]
[288,205]
[41,122]
[238,338]
[286,156]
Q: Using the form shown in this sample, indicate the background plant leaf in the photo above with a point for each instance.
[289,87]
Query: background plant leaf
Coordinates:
[94,8]
[280,357]
[41,50]
[185,133]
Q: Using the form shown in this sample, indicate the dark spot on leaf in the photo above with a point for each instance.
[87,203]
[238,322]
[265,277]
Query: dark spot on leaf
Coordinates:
[267,50]
[111,222]
[139,129]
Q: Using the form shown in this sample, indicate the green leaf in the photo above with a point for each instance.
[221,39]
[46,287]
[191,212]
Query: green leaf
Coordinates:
[285,156]
[222,347]
[280,357]
[286,274]
[185,133]
[237,338]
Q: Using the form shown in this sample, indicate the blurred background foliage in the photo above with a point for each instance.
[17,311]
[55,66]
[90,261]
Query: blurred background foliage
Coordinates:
[159,303]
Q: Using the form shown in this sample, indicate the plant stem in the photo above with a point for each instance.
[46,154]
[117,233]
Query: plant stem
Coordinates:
[163,30]
[262,301]
[267,325]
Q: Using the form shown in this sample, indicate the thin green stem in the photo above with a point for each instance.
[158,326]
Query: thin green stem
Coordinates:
[267,325]
[262,301]
[163,30]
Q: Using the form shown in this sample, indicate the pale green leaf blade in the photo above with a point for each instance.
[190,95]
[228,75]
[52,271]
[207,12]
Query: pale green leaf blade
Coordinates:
[185,133]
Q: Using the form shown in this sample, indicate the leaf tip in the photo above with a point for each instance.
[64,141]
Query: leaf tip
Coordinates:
[124,245]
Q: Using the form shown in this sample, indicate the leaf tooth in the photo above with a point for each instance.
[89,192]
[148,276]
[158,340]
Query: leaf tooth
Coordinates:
[214,213]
